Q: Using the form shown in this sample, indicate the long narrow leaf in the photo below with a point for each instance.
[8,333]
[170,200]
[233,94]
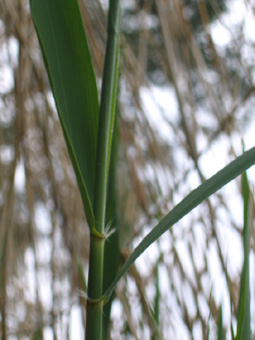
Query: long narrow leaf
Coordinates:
[61,35]
[224,176]
[244,309]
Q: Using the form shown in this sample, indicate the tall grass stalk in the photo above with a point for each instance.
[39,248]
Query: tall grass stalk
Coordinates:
[94,326]
[244,308]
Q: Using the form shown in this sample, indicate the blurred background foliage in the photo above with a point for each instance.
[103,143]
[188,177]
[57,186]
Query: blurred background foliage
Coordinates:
[186,98]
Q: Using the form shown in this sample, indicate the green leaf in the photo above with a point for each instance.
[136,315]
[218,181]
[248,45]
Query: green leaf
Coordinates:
[197,196]
[232,330]
[244,309]
[66,55]
[81,275]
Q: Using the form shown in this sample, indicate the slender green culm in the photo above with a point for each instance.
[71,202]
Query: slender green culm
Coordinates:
[191,201]
[112,247]
[107,114]
[244,309]
[94,326]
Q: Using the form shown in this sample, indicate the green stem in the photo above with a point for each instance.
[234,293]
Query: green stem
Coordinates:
[106,118]
[94,326]
[105,131]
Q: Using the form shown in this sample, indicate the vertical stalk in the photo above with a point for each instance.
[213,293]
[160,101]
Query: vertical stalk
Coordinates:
[105,131]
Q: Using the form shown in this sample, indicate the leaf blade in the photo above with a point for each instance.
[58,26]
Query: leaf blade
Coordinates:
[197,196]
[63,42]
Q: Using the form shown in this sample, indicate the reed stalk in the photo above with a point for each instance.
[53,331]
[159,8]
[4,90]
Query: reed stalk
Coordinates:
[94,329]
